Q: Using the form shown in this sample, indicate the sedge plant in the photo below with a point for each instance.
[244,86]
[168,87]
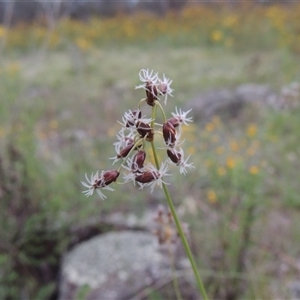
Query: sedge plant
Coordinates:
[131,149]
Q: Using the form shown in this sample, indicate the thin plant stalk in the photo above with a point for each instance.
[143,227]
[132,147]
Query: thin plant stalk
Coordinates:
[181,233]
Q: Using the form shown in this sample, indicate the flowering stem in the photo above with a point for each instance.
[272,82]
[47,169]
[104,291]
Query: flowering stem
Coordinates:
[185,244]
[161,109]
[142,130]
[180,231]
[153,116]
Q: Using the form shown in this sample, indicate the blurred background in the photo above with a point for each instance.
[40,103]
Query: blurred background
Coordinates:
[67,74]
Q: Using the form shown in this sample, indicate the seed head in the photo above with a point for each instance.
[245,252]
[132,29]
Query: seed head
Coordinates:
[97,182]
[177,157]
[145,130]
[154,86]
[138,160]
[131,117]
[180,117]
[108,177]
[169,134]
[152,177]
[174,155]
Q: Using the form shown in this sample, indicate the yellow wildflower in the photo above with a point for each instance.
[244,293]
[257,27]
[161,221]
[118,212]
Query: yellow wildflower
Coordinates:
[210,126]
[230,162]
[2,31]
[216,35]
[83,44]
[211,196]
[253,170]
[251,130]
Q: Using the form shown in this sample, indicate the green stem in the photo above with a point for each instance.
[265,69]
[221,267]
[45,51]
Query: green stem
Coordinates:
[153,116]
[181,233]
[185,244]
[157,103]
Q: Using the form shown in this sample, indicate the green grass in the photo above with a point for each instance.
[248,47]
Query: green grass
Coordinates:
[59,110]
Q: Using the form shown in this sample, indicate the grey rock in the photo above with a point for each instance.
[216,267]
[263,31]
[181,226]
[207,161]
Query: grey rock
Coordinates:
[258,94]
[229,103]
[215,102]
[115,265]
[294,289]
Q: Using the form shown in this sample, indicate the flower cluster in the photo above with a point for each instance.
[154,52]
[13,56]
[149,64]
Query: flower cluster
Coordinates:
[138,130]
[154,86]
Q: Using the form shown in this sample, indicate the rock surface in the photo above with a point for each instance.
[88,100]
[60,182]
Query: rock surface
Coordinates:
[229,103]
[115,265]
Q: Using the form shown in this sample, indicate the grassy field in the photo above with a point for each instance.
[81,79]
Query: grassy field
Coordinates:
[60,103]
